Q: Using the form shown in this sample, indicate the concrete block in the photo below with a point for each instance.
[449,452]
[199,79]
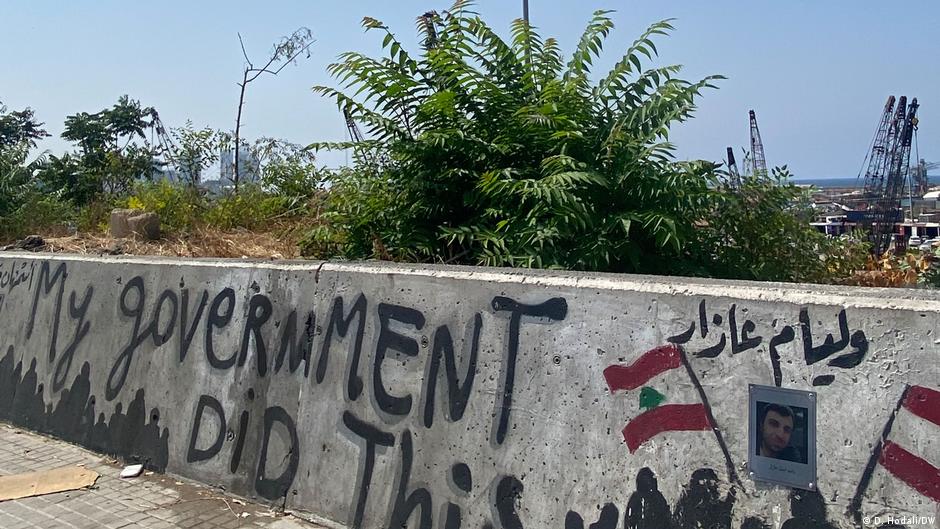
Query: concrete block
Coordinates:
[146,225]
[118,225]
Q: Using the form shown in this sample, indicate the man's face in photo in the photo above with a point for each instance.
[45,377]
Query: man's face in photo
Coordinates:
[776,432]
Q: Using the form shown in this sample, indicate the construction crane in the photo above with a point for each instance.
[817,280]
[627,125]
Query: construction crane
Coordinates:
[758,162]
[888,170]
[163,146]
[354,133]
[367,152]
[877,157]
[900,171]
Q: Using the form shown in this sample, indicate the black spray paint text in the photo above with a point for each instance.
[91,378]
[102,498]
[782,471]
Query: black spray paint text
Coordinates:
[271,344]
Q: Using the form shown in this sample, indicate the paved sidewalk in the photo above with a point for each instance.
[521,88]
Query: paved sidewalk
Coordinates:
[151,501]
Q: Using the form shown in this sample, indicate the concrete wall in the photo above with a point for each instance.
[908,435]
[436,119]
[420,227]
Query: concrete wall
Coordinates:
[381,396]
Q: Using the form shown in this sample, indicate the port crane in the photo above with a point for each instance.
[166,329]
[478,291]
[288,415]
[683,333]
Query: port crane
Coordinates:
[754,162]
[354,133]
[758,162]
[888,168]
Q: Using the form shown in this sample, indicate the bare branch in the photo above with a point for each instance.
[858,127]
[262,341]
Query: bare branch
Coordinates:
[245,53]
[258,71]
[301,40]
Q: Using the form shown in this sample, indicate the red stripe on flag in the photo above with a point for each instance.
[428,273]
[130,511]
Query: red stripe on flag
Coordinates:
[924,403]
[647,366]
[916,472]
[668,418]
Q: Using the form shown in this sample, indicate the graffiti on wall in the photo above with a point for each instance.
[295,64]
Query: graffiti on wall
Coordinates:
[134,433]
[850,348]
[702,504]
[268,343]
[846,352]
[908,467]
[250,334]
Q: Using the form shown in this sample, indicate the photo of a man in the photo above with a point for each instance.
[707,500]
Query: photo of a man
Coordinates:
[777,426]
[782,436]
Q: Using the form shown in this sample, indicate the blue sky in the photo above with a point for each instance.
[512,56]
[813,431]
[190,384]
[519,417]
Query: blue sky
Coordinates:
[817,73]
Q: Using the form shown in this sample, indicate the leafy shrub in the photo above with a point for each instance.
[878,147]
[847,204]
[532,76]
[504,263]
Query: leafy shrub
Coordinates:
[38,212]
[95,216]
[754,232]
[929,272]
[889,270]
[498,152]
[180,207]
[844,255]
[287,169]
[194,151]
[16,176]
[67,176]
[363,203]
[25,208]
[250,208]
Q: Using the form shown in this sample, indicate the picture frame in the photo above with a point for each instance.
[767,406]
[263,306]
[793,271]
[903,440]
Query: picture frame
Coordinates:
[782,436]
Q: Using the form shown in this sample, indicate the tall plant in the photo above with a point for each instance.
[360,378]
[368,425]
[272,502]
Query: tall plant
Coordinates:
[502,153]
[285,52]
[113,152]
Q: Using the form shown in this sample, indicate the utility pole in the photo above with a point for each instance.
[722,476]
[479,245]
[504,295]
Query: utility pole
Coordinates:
[525,11]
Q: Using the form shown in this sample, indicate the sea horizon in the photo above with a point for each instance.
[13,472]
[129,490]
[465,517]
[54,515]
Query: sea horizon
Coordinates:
[847,181]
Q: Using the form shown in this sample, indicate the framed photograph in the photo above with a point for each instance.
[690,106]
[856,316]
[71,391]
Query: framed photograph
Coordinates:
[782,436]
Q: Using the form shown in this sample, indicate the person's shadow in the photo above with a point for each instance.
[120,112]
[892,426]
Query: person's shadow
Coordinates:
[809,511]
[647,507]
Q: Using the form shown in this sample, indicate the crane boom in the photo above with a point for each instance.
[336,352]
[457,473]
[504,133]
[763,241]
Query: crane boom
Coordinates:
[888,170]
[758,162]
[354,133]
[874,175]
[901,166]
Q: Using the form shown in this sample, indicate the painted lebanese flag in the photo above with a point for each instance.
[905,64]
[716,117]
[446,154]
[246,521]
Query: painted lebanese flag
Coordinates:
[658,419]
[912,469]
[907,449]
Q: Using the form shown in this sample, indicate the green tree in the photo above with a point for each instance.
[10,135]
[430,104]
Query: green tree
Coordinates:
[113,152]
[111,129]
[67,176]
[19,131]
[17,176]
[287,169]
[194,151]
[760,231]
[19,128]
[502,153]
[25,207]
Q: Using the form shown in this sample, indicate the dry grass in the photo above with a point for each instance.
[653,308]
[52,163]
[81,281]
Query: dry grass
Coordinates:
[278,243]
